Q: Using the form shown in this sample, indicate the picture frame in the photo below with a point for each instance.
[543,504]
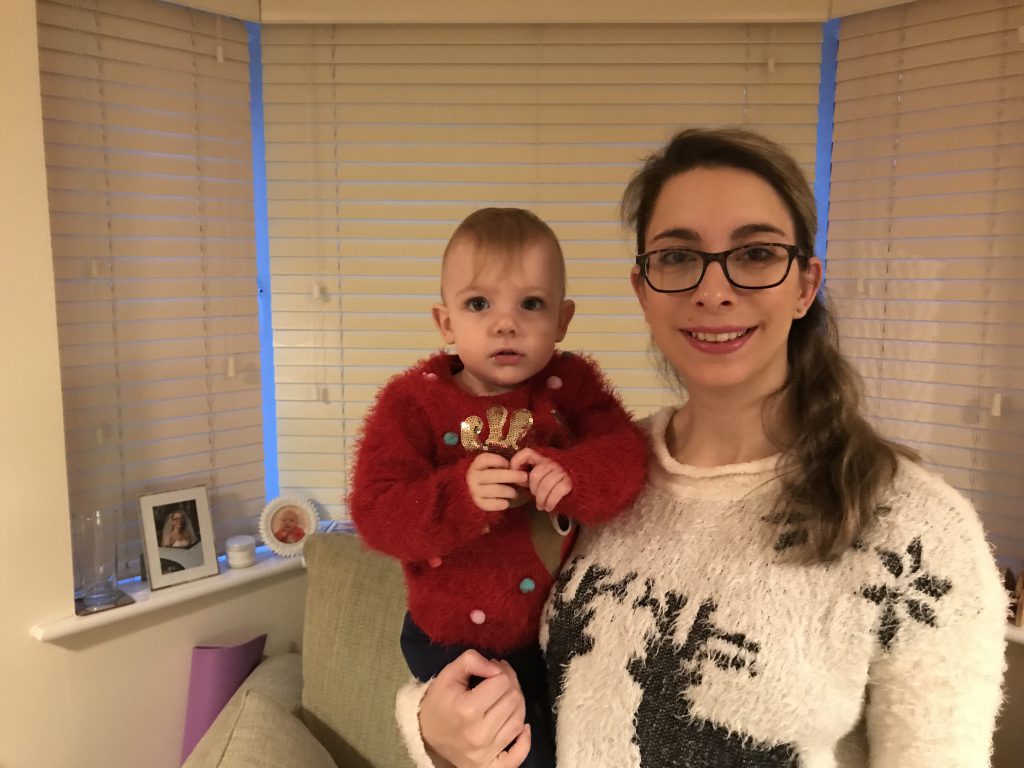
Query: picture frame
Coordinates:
[286,523]
[177,536]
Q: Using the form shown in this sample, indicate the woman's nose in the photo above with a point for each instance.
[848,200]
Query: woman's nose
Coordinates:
[715,288]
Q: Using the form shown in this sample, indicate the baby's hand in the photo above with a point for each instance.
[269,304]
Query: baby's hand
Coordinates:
[492,482]
[549,482]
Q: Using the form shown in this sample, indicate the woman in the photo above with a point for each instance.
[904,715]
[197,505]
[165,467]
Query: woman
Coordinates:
[791,589]
[177,530]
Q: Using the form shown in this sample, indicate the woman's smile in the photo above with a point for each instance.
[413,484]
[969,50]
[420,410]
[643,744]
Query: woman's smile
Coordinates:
[718,341]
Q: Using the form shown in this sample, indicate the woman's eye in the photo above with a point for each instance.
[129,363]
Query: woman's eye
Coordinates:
[760,253]
[477,304]
[533,304]
[673,258]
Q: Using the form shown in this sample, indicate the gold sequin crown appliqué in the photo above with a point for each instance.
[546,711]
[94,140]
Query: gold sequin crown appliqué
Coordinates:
[498,439]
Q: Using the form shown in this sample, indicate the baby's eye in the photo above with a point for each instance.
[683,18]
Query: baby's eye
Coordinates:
[477,304]
[533,304]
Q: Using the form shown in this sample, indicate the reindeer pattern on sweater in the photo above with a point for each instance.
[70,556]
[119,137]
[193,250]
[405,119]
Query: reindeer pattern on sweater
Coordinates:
[679,637]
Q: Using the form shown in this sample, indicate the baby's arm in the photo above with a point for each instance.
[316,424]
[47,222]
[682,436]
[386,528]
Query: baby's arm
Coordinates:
[603,470]
[404,505]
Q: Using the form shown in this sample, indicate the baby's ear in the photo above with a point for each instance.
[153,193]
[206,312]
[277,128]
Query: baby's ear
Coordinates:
[565,313]
[443,321]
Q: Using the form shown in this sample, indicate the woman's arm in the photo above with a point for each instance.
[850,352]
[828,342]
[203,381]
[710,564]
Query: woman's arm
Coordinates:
[447,723]
[935,683]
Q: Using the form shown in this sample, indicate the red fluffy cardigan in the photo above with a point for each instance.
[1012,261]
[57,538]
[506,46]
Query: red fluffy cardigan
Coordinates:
[474,577]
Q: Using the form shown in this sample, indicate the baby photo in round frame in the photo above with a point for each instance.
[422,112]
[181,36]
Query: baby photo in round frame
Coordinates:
[286,523]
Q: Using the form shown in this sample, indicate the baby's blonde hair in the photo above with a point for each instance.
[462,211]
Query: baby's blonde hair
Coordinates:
[503,234]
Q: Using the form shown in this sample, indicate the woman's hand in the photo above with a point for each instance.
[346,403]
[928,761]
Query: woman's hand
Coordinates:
[471,727]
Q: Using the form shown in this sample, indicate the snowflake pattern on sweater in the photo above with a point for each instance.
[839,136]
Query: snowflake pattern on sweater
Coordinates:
[678,636]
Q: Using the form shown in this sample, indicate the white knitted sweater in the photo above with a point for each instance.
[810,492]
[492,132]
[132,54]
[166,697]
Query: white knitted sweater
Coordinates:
[676,637]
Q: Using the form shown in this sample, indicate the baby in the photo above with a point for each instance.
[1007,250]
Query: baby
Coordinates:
[471,465]
[287,528]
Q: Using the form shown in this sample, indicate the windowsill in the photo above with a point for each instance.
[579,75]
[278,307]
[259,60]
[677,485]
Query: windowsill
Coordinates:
[267,566]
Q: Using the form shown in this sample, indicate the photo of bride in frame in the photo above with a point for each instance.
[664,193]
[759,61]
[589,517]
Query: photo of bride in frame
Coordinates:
[177,536]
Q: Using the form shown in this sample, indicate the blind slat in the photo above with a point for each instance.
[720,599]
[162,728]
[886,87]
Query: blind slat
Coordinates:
[925,239]
[381,139]
[149,169]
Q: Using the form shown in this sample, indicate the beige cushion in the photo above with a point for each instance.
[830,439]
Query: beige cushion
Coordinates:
[279,678]
[351,660]
[259,733]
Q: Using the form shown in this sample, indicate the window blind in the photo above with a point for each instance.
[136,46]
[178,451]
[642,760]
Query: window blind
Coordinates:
[381,139]
[926,239]
[147,134]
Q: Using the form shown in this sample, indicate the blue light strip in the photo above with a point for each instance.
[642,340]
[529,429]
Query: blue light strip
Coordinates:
[826,122]
[259,199]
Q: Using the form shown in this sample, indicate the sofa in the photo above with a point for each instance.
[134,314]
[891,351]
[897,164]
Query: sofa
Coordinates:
[333,705]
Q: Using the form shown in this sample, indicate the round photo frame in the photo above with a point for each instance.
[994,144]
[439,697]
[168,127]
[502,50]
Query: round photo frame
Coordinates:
[286,523]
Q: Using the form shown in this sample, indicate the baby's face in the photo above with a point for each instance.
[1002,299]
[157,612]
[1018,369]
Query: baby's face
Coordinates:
[504,316]
[288,520]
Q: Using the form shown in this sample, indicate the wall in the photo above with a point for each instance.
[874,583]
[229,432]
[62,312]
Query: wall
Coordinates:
[113,698]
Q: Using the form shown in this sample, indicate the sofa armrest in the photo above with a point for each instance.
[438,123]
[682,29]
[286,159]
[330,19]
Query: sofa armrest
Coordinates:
[279,678]
[274,687]
[256,732]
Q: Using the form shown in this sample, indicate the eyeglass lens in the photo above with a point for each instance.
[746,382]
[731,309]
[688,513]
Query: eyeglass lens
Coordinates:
[751,266]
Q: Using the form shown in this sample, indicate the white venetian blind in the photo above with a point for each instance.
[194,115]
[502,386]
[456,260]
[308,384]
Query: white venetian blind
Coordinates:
[381,139]
[926,239]
[147,131]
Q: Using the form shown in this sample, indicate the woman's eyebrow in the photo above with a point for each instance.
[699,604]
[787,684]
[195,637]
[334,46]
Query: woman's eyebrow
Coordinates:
[755,229]
[677,233]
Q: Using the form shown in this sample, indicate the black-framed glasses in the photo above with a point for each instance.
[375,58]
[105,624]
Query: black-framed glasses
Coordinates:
[751,266]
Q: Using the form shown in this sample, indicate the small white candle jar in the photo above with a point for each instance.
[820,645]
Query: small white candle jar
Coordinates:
[241,551]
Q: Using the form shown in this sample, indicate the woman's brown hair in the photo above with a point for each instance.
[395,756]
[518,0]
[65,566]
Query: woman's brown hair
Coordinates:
[837,466]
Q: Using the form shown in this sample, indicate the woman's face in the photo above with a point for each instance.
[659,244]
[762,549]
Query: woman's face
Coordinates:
[714,209]
[177,521]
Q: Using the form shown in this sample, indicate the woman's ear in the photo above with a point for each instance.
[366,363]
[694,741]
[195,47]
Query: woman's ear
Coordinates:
[443,321]
[810,284]
[639,287]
